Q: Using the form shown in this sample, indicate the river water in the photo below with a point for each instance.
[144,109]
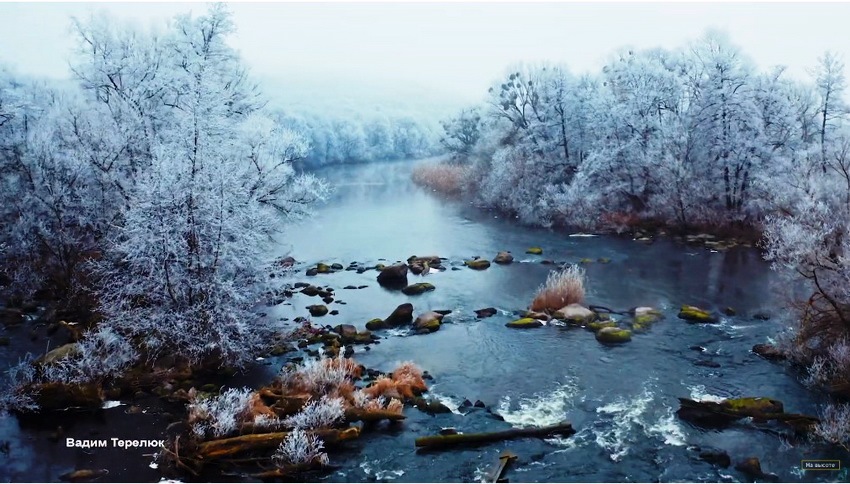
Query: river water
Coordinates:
[620,399]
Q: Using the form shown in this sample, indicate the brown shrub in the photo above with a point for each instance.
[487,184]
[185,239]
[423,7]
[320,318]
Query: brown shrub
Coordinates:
[443,178]
[561,289]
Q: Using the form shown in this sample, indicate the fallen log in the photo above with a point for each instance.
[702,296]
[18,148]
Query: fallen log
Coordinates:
[216,449]
[358,414]
[444,441]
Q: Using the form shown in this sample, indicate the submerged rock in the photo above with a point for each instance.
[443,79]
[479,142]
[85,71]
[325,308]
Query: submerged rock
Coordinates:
[524,323]
[478,264]
[418,288]
[644,317]
[534,250]
[697,315]
[716,456]
[485,313]
[503,258]
[613,335]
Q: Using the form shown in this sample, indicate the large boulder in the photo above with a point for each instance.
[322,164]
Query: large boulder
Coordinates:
[428,322]
[418,288]
[503,258]
[575,313]
[478,264]
[697,315]
[613,335]
[348,332]
[394,276]
[403,314]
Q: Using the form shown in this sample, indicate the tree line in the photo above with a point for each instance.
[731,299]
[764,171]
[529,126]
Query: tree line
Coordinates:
[695,138]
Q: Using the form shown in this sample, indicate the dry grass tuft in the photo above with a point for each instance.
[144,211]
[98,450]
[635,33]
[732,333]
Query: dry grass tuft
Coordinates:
[443,178]
[561,289]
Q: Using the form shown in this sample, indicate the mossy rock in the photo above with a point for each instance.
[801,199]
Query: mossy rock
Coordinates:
[697,315]
[317,310]
[380,267]
[418,288]
[645,317]
[323,268]
[375,324]
[613,335]
[753,406]
[598,325]
[524,323]
[603,260]
[477,264]
[429,326]
[534,250]
[585,260]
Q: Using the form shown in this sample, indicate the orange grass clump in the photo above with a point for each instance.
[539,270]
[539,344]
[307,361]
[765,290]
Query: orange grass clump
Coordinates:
[405,382]
[561,289]
[443,178]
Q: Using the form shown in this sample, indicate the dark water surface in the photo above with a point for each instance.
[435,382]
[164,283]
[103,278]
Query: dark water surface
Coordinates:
[620,399]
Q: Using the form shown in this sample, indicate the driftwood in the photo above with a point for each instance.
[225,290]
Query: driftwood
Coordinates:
[505,458]
[216,449]
[357,414]
[445,441]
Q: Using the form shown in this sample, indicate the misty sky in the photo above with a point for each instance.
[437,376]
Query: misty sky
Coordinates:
[453,49]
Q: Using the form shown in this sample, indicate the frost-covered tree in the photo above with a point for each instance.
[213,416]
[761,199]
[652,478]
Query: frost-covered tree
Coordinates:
[461,133]
[184,268]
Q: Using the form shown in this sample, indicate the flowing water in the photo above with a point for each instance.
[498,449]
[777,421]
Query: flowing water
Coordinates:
[620,399]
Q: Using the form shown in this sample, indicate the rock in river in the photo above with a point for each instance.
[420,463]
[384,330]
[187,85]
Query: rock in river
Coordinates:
[485,313]
[534,250]
[403,314]
[418,288]
[503,258]
[317,310]
[697,315]
[393,276]
[428,322]
[478,264]
[575,313]
[613,335]
[524,323]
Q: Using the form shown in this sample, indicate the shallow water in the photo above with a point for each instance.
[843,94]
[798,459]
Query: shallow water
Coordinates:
[620,399]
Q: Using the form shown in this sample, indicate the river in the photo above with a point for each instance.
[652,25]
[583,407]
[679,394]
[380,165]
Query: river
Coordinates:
[620,399]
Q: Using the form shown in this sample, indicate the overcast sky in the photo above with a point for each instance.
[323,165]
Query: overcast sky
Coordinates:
[450,48]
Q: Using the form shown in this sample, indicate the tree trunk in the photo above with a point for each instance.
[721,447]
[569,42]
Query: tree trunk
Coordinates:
[445,441]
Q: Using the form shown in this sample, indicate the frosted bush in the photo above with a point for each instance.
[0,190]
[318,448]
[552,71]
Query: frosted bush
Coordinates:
[220,415]
[300,447]
[322,376]
[322,413]
[834,425]
[100,354]
[13,395]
